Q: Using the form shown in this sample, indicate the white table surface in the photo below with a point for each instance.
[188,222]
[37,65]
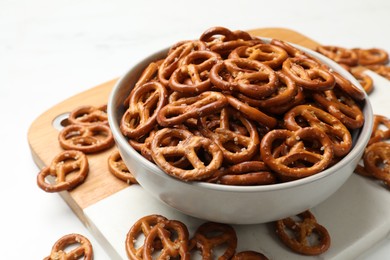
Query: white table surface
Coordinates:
[52,50]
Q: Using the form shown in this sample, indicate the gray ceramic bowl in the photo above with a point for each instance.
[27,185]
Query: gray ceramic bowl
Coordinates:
[234,204]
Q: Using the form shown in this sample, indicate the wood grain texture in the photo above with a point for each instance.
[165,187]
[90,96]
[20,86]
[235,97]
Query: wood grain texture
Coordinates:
[42,135]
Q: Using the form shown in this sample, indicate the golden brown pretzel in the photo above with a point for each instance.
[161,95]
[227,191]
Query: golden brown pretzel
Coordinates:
[303,115]
[245,173]
[249,77]
[173,236]
[308,146]
[286,91]
[83,248]
[70,168]
[86,115]
[192,75]
[185,108]
[380,129]
[364,79]
[139,230]
[88,139]
[145,101]
[211,235]
[339,54]
[119,169]
[252,113]
[347,87]
[308,73]
[341,106]
[174,58]
[377,161]
[295,234]
[268,54]
[187,147]
[236,146]
[372,56]
[383,70]
[249,255]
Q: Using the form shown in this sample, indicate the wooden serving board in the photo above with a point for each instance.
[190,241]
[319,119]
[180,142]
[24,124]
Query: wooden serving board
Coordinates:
[108,206]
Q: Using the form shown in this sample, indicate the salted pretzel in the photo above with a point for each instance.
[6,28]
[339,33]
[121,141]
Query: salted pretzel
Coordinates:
[192,75]
[174,238]
[372,56]
[249,255]
[185,108]
[249,77]
[298,99]
[79,246]
[305,152]
[303,115]
[377,161]
[296,234]
[119,169]
[308,73]
[341,106]
[383,70]
[174,58]
[268,54]
[144,104]
[187,147]
[364,79]
[88,139]
[236,146]
[286,91]
[211,235]
[69,168]
[86,115]
[380,129]
[245,173]
[139,230]
[339,54]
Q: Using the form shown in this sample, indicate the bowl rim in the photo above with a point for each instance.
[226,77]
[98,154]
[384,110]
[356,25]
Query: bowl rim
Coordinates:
[360,141]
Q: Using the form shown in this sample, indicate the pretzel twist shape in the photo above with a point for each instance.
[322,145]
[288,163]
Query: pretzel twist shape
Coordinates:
[86,115]
[296,151]
[380,129]
[249,77]
[301,230]
[339,54]
[119,169]
[236,147]
[144,104]
[83,248]
[185,108]
[377,161]
[87,139]
[339,135]
[70,168]
[210,235]
[341,106]
[192,76]
[187,147]
[308,73]
[173,235]
[372,56]
[141,228]
[268,54]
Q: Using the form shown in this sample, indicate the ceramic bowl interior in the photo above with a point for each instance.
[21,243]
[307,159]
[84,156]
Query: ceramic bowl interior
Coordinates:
[235,204]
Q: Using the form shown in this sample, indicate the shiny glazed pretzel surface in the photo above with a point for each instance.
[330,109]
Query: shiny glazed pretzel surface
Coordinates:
[206,106]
